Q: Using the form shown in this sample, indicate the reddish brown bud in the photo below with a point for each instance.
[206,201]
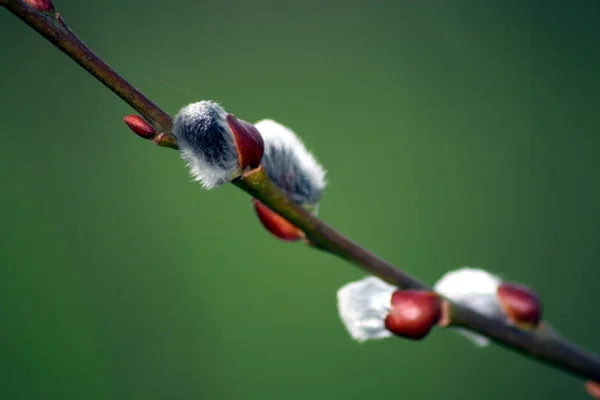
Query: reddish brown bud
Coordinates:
[593,389]
[413,313]
[41,5]
[520,304]
[276,224]
[248,141]
[140,126]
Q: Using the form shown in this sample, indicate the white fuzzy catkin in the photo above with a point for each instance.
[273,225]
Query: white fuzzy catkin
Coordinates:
[363,306]
[474,288]
[290,165]
[206,143]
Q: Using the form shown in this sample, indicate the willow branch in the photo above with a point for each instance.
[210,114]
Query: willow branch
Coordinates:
[539,344]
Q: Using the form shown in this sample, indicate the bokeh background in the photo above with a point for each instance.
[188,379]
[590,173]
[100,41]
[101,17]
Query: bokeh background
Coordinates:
[454,133]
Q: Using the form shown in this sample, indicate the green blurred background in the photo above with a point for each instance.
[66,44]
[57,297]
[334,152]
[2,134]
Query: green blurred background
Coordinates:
[454,133]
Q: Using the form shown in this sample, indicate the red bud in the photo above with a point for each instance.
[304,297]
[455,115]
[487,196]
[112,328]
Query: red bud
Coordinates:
[520,304]
[140,126]
[41,5]
[593,389]
[413,313]
[276,224]
[248,141]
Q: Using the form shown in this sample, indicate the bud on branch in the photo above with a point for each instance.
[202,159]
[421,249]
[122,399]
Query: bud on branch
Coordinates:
[217,147]
[295,171]
[520,304]
[373,309]
[413,313]
[139,125]
[232,159]
[291,167]
[276,224]
[487,294]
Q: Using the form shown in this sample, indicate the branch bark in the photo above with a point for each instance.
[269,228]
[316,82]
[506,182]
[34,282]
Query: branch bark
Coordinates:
[541,344]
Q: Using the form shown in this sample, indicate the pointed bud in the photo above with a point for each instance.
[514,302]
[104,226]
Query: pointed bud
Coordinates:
[413,313]
[593,389]
[140,126]
[291,167]
[41,5]
[248,142]
[520,304]
[276,224]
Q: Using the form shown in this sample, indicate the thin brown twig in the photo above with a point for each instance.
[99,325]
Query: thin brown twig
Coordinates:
[540,344]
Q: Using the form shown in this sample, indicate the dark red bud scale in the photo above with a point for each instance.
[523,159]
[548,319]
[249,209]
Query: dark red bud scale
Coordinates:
[41,5]
[413,313]
[276,224]
[248,141]
[520,304]
[140,126]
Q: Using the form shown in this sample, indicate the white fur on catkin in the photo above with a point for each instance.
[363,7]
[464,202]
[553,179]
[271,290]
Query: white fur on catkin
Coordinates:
[363,306]
[290,165]
[206,143]
[474,288]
